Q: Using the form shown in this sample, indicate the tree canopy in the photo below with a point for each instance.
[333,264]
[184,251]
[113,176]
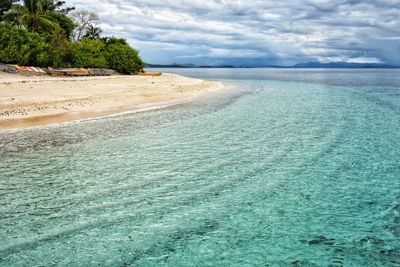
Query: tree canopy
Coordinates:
[32,15]
[24,48]
[5,5]
[45,33]
[93,32]
[88,54]
[123,58]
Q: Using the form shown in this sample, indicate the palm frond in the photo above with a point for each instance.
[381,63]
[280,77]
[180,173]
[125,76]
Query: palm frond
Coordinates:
[48,22]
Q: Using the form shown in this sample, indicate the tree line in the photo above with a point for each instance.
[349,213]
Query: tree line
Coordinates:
[46,33]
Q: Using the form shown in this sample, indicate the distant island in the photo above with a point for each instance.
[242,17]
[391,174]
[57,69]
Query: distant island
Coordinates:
[316,64]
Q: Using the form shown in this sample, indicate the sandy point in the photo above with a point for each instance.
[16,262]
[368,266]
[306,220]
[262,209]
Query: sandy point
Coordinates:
[36,101]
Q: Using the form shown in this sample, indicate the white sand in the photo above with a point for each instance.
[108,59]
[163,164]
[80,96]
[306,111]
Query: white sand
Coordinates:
[33,101]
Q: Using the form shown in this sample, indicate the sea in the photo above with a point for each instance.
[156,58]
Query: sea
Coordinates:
[293,167]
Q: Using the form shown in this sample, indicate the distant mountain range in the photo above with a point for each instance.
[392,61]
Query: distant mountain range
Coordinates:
[330,65]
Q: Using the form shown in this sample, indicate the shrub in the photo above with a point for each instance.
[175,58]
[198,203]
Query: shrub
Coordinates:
[123,58]
[88,54]
[59,47]
[23,48]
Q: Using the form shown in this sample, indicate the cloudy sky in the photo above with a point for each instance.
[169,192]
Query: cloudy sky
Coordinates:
[254,32]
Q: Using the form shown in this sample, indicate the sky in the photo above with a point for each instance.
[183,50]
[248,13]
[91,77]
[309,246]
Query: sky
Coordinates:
[254,32]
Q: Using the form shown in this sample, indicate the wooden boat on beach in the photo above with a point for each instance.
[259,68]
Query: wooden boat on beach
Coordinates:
[101,72]
[80,72]
[77,72]
[30,70]
[149,73]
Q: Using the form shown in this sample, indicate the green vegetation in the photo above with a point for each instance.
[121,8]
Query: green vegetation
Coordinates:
[123,58]
[24,48]
[64,22]
[93,32]
[33,16]
[5,5]
[88,53]
[43,33]
[110,53]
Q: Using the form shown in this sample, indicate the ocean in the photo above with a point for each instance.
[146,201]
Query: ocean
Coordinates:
[297,167]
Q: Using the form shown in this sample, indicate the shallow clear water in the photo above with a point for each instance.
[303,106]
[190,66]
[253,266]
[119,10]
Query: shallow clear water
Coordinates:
[302,170]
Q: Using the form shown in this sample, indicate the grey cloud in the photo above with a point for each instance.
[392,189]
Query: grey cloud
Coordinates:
[254,32]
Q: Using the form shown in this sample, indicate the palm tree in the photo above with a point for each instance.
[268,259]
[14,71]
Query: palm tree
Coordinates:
[93,32]
[57,6]
[33,14]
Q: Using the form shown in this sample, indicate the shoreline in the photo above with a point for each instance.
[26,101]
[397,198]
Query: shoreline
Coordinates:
[27,102]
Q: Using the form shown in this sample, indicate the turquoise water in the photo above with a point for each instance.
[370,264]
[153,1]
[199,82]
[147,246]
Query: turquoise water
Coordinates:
[303,169]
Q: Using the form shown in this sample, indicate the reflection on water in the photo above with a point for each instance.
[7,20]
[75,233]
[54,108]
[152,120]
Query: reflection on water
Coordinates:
[292,174]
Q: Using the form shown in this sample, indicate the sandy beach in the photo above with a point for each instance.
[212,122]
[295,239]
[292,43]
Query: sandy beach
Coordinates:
[35,101]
